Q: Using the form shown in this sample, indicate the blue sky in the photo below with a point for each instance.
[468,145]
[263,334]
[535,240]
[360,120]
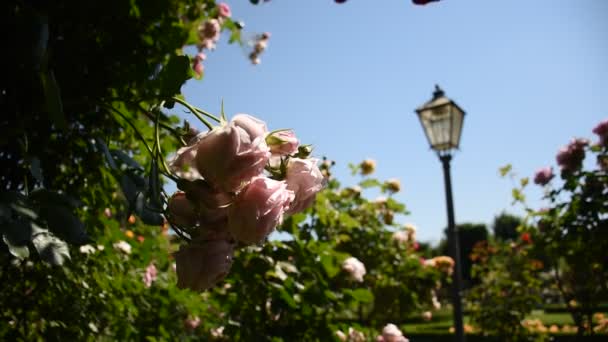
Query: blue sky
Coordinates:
[529,74]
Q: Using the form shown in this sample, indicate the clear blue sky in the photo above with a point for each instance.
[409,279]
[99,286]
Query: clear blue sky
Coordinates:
[530,74]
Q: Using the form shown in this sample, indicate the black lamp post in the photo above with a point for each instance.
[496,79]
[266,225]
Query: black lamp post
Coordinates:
[442,119]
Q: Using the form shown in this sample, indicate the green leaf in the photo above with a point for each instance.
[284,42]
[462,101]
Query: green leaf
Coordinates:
[51,249]
[21,252]
[174,74]
[329,265]
[286,297]
[369,183]
[148,214]
[126,159]
[504,170]
[53,99]
[348,221]
[35,169]
[106,152]
[64,224]
[362,295]
[18,232]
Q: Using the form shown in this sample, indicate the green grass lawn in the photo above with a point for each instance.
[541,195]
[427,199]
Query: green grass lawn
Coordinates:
[442,321]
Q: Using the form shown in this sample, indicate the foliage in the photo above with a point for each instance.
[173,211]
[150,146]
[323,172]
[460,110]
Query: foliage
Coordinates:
[83,109]
[508,289]
[571,230]
[469,234]
[505,227]
[272,289]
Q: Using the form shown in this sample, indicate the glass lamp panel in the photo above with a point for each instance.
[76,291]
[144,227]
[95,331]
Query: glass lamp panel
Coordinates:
[457,120]
[441,124]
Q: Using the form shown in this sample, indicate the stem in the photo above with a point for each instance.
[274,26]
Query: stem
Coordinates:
[159,149]
[139,135]
[172,130]
[197,112]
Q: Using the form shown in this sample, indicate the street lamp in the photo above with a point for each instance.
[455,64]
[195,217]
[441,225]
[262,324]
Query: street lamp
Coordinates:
[442,119]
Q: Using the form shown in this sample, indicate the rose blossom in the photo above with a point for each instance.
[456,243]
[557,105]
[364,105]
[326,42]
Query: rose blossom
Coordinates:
[182,211]
[341,336]
[192,323]
[209,33]
[150,275]
[390,333]
[123,246]
[543,176]
[355,335]
[212,205]
[305,179]
[232,154]
[258,209]
[570,157]
[282,143]
[602,131]
[182,164]
[224,10]
[202,264]
[400,236]
[393,185]
[197,64]
[368,166]
[354,268]
[427,316]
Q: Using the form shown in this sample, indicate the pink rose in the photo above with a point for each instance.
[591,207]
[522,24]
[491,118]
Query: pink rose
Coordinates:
[212,205]
[182,164]
[182,211]
[258,209]
[305,179]
[224,10]
[282,143]
[192,323]
[198,67]
[202,264]
[209,33]
[354,268]
[543,176]
[401,237]
[570,157]
[602,131]
[390,333]
[150,275]
[232,154]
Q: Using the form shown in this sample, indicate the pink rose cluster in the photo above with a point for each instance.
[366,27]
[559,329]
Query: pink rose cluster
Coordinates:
[570,157]
[237,182]
[208,35]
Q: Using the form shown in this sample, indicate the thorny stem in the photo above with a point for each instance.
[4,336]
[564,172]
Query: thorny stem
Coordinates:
[197,112]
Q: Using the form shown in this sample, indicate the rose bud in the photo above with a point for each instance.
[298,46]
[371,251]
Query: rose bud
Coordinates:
[232,154]
[305,179]
[282,143]
[258,209]
[393,185]
[224,10]
[201,265]
[368,166]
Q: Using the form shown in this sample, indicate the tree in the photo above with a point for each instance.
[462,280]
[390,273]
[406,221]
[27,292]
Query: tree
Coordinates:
[469,235]
[505,227]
